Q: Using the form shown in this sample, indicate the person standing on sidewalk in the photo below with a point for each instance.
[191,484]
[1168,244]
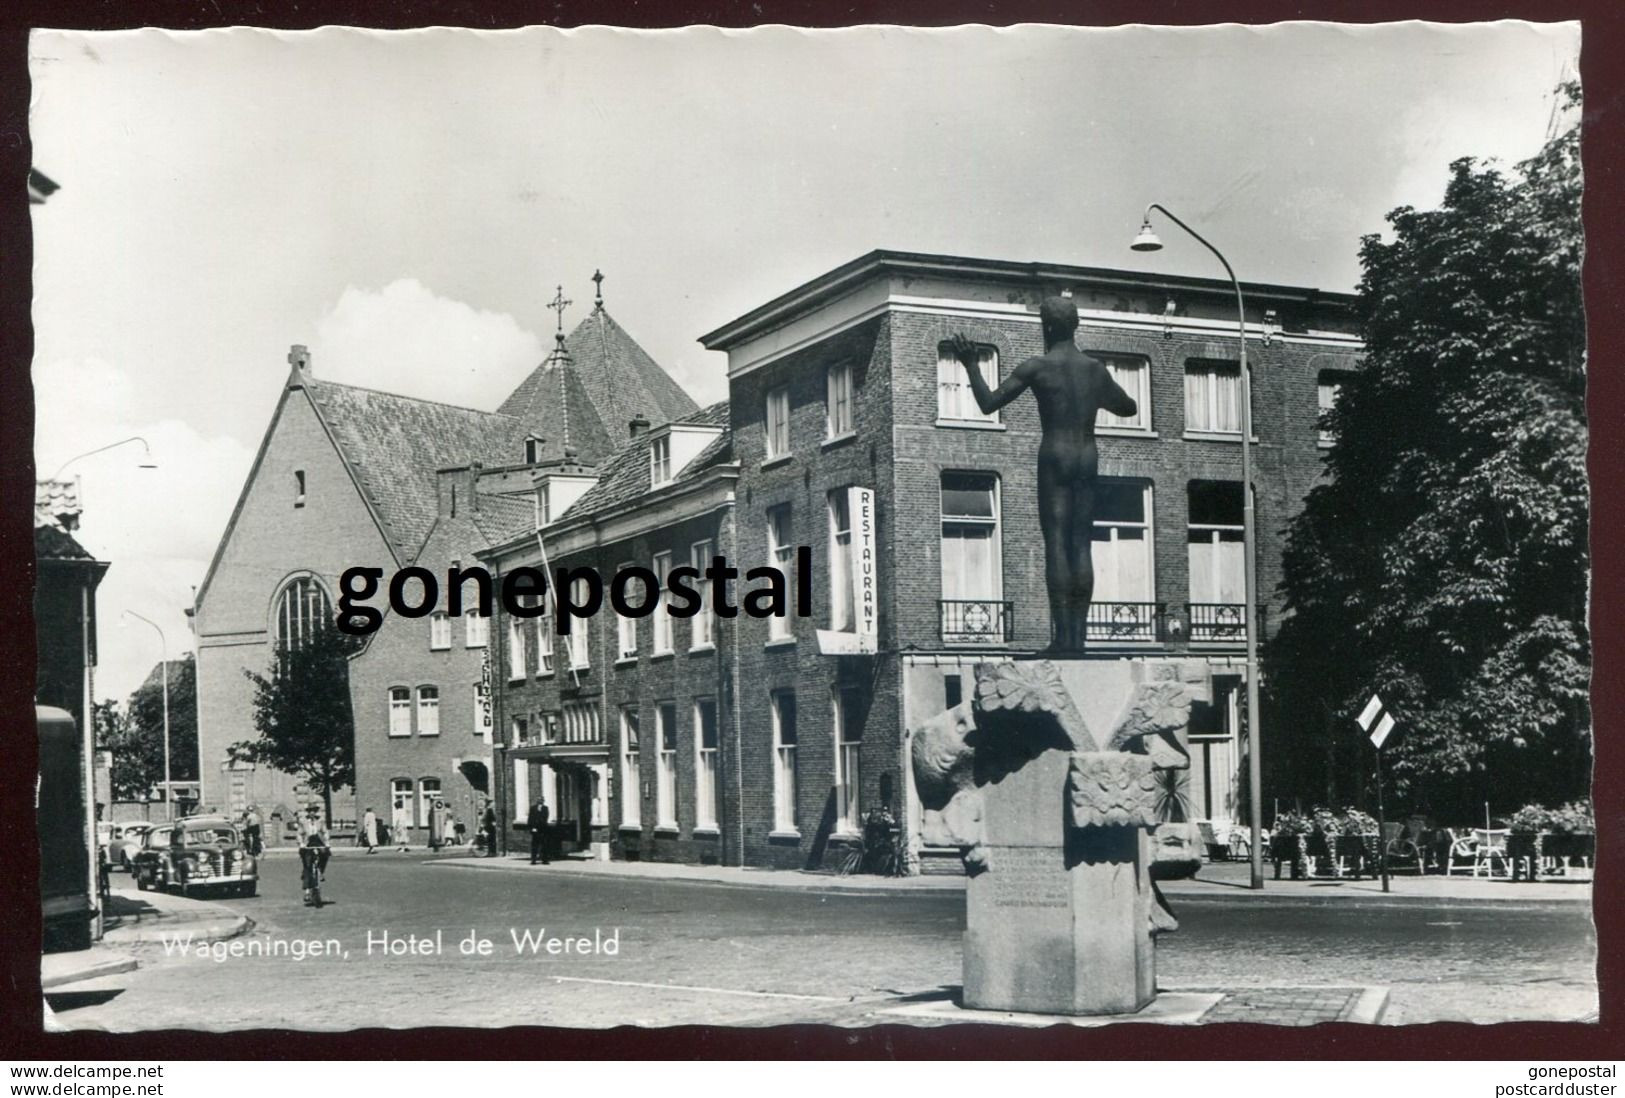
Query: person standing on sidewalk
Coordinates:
[369,831]
[539,819]
[400,826]
[488,827]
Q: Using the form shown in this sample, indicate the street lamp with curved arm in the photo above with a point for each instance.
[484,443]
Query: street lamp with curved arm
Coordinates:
[147,450]
[1147,241]
[163,648]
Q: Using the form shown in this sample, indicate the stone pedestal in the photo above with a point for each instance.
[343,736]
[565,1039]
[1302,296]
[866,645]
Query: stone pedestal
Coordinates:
[1058,923]
[1049,782]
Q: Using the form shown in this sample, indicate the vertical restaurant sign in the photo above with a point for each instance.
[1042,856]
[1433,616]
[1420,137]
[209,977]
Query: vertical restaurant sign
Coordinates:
[864,637]
[482,698]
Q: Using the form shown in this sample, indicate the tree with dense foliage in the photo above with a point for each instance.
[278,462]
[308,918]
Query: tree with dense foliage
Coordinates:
[135,734]
[1442,562]
[302,713]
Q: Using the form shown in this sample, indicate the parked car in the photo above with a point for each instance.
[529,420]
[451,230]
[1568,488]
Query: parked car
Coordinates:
[201,852]
[127,839]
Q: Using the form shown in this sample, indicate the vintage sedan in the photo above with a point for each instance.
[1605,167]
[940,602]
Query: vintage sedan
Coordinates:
[203,852]
[126,842]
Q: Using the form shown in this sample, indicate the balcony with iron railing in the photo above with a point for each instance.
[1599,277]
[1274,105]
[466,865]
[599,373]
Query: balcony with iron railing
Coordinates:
[1220,622]
[982,622]
[1125,622]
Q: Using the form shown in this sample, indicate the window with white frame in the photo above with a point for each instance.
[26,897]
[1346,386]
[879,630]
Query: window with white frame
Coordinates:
[662,614]
[544,644]
[1326,398]
[971,567]
[581,723]
[302,608]
[544,505]
[1121,542]
[631,784]
[521,731]
[1133,375]
[476,629]
[784,760]
[779,554]
[776,422]
[666,765]
[516,649]
[1213,397]
[580,628]
[400,711]
[428,710]
[521,787]
[626,631]
[702,626]
[956,400]
[705,769]
[838,418]
[660,470]
[1216,539]
[428,794]
[439,631]
[848,722]
[841,606]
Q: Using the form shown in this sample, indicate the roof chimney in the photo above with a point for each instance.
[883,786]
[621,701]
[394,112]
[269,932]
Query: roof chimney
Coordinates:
[299,359]
[637,426]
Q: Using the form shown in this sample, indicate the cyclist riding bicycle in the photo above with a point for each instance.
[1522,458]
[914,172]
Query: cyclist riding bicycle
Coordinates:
[313,854]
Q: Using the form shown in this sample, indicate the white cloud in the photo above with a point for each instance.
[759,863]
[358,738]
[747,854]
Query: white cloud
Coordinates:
[407,339]
[157,527]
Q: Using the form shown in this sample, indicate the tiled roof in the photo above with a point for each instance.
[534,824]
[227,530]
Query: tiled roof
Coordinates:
[396,443]
[54,499]
[620,379]
[52,543]
[626,477]
[503,518]
[553,403]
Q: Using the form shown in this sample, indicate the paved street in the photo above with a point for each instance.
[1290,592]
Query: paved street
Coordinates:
[692,952]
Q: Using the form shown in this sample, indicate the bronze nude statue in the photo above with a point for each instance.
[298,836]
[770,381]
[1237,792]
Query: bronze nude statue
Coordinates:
[1070,388]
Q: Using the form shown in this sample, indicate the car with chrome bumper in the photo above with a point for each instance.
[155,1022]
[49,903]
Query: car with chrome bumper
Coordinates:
[196,855]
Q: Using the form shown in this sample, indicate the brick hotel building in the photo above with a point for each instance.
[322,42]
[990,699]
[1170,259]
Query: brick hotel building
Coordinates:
[849,429]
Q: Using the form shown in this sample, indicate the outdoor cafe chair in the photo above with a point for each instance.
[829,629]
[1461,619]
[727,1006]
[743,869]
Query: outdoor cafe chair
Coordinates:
[1464,847]
[1401,850]
[1492,846]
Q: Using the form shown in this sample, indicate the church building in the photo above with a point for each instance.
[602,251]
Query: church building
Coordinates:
[347,476]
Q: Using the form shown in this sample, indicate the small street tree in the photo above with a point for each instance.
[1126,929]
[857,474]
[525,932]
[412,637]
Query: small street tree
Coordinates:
[302,713]
[138,762]
[1443,560]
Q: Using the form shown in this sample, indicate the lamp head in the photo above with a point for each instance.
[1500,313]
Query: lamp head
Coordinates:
[1147,241]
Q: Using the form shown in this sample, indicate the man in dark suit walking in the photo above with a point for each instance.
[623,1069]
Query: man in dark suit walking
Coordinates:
[539,818]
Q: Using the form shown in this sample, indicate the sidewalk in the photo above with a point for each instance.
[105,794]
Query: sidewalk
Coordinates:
[134,917]
[57,969]
[1217,881]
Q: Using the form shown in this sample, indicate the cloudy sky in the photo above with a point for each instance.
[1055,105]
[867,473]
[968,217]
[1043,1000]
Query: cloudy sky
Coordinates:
[406,203]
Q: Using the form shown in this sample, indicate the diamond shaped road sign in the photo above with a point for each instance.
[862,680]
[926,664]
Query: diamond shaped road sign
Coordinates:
[1375,719]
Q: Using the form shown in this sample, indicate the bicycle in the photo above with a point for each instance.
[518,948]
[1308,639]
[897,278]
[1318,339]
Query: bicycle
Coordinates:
[313,863]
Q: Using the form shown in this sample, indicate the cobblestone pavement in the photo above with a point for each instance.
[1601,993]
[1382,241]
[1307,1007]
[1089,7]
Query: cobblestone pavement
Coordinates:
[698,953]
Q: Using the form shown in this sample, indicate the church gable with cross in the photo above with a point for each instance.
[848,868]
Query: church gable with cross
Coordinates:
[347,475]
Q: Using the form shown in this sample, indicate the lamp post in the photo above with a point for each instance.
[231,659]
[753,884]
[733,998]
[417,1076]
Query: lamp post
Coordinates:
[163,647]
[1147,241]
[147,450]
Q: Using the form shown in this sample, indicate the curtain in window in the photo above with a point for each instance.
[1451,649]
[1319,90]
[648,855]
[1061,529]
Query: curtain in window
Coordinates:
[1213,398]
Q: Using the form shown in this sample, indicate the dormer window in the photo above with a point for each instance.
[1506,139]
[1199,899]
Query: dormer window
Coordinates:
[660,461]
[544,510]
[533,451]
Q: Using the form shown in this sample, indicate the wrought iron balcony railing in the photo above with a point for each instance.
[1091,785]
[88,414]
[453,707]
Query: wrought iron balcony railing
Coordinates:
[1220,621]
[1113,622]
[975,621]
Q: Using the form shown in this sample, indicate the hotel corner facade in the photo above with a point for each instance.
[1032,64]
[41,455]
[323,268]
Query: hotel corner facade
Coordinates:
[764,742]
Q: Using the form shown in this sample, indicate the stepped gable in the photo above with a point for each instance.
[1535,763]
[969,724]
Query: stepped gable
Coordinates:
[626,476]
[394,444]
